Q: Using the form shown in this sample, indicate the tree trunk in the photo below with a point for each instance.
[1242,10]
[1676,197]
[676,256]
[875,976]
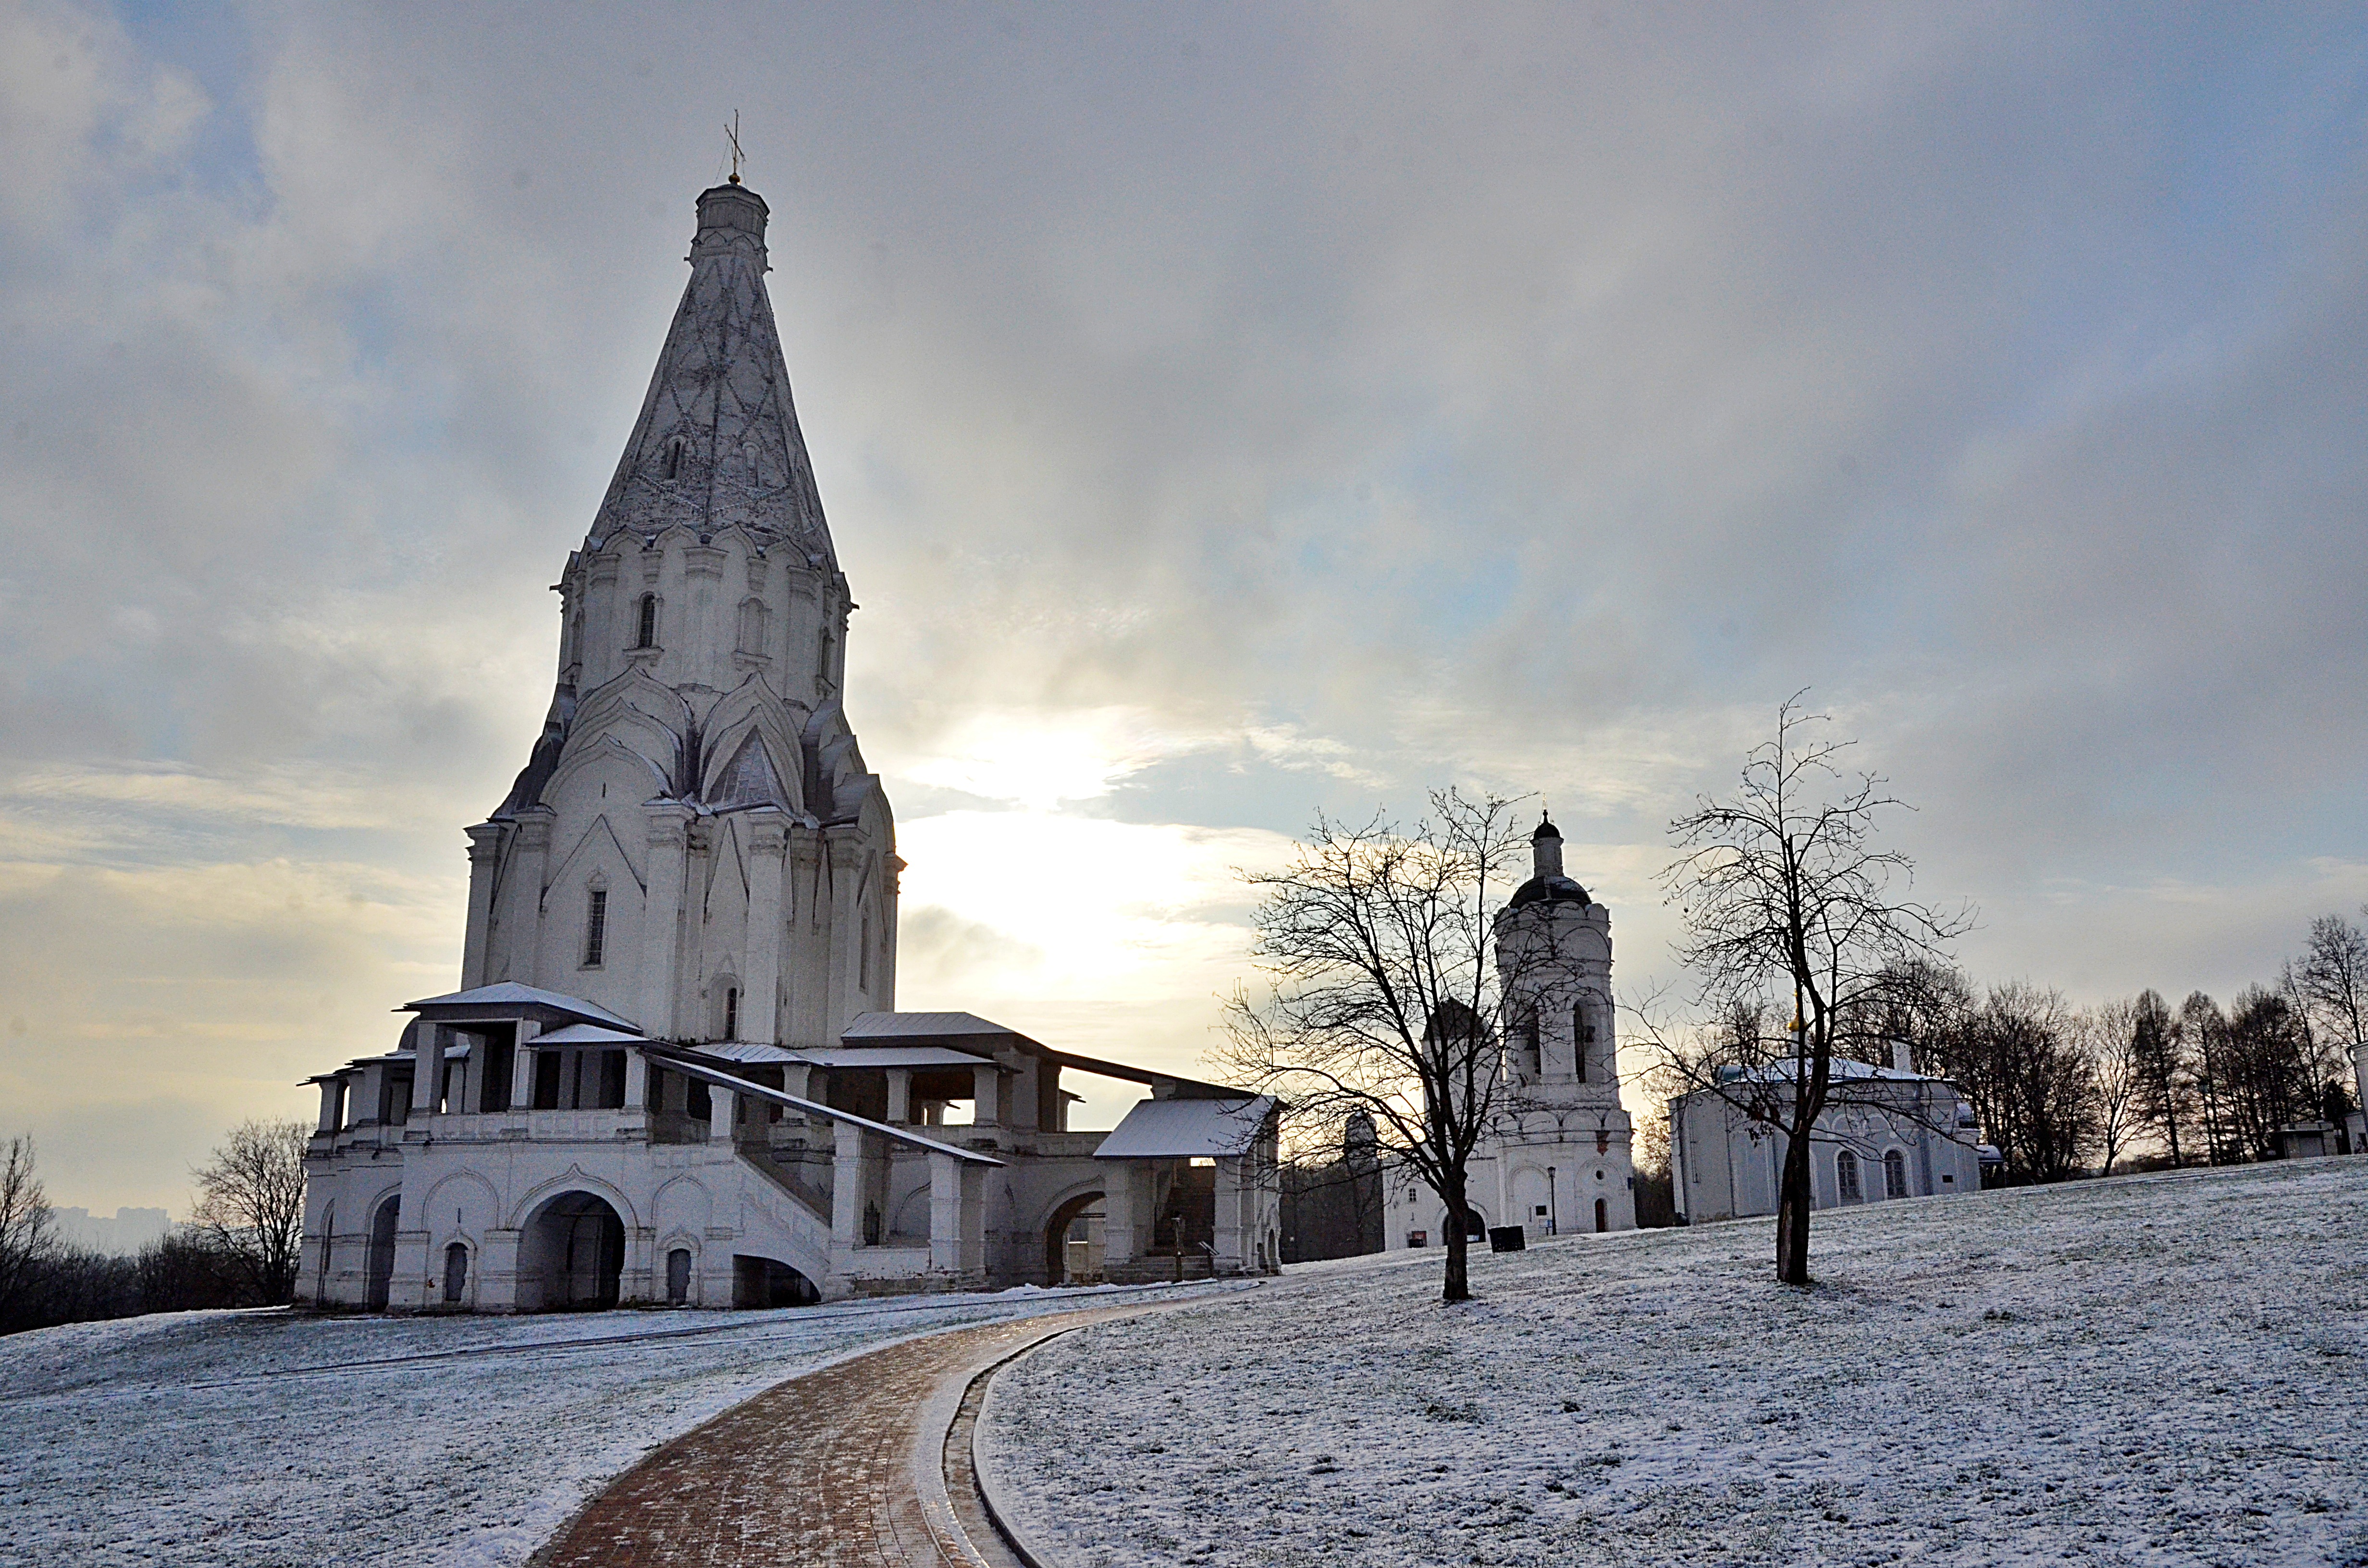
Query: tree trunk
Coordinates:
[1793,1211]
[1458,1280]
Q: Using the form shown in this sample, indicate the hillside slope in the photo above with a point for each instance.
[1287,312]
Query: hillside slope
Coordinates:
[2158,1369]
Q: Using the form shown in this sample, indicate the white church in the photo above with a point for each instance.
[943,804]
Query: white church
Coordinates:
[1557,1157]
[673,1071]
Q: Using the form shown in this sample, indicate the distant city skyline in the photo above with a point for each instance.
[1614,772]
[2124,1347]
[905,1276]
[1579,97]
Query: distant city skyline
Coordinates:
[1221,417]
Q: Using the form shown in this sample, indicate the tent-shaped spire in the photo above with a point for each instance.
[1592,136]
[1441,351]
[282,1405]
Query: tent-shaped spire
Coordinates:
[718,442]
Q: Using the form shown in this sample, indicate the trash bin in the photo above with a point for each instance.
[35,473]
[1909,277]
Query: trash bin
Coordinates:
[1508,1238]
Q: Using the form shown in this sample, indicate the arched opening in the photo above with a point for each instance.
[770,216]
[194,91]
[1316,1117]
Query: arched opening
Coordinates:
[1073,1222]
[456,1274]
[1475,1224]
[328,1243]
[768,1282]
[646,622]
[730,1012]
[1895,1174]
[678,1278]
[571,1256]
[381,1254]
[1846,1177]
[1602,1215]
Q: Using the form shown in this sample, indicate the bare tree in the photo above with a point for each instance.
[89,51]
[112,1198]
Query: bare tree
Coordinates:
[2333,979]
[2203,1031]
[1387,997]
[2165,1083]
[1787,899]
[24,1223]
[2108,1036]
[251,1204]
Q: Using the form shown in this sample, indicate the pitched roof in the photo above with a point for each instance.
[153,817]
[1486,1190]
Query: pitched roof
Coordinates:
[1178,1130]
[921,1026]
[510,997]
[717,444]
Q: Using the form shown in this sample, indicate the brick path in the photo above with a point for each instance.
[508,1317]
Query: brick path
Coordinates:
[816,1471]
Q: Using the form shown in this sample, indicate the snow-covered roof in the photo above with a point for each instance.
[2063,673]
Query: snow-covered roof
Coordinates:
[585,1034]
[748,1050]
[1179,1129]
[510,997]
[920,1025]
[897,1056]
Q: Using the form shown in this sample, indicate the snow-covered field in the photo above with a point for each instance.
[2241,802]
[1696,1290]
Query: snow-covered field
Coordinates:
[262,1438]
[2160,1370]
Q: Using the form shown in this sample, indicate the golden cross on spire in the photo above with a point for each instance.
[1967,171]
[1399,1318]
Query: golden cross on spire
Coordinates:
[732,134]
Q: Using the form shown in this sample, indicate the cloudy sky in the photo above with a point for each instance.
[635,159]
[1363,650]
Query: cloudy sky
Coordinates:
[1221,413]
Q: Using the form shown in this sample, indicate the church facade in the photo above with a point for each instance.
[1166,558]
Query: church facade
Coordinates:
[1556,1158]
[673,1069]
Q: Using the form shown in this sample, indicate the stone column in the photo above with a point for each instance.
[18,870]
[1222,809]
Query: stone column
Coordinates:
[522,1068]
[428,1074]
[522,938]
[848,1187]
[332,1102]
[1119,1212]
[702,584]
[760,1009]
[637,1079]
[484,866]
[1231,1242]
[900,1095]
[720,1101]
[669,832]
[957,1216]
[986,1081]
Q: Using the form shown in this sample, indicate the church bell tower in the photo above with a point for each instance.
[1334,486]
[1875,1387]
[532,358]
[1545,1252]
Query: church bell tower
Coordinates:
[695,842]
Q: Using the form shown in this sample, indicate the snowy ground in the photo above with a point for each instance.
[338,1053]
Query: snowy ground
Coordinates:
[2153,1371]
[264,1438]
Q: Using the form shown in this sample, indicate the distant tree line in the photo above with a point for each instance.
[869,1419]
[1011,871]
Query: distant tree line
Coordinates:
[2062,1090]
[239,1248]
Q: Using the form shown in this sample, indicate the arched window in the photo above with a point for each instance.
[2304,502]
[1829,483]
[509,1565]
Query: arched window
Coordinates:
[752,625]
[1528,1031]
[595,928]
[730,1012]
[674,458]
[1582,1034]
[1846,1177]
[1602,1215]
[646,623]
[456,1274]
[1895,1174]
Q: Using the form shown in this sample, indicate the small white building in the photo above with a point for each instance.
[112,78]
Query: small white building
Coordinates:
[1895,1134]
[674,1071]
[1557,1159]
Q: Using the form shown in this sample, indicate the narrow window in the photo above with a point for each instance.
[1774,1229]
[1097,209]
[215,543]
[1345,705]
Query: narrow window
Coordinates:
[456,1274]
[730,1012]
[1581,1032]
[674,458]
[596,929]
[1846,1173]
[1895,1175]
[645,629]
[863,959]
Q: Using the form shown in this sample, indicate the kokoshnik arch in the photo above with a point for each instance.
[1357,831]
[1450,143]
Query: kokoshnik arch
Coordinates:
[674,1071]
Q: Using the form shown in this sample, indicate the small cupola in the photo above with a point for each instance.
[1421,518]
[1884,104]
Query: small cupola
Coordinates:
[1546,849]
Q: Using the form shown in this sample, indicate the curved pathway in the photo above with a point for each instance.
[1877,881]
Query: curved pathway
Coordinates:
[833,1467]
